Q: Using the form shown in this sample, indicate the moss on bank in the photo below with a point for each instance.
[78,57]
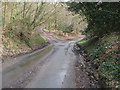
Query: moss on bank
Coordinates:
[104,55]
[13,47]
[37,41]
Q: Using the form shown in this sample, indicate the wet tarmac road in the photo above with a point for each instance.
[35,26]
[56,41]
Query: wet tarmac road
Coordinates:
[14,71]
[52,73]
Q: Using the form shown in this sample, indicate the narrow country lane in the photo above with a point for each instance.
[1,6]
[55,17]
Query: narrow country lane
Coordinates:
[53,73]
[54,67]
[50,75]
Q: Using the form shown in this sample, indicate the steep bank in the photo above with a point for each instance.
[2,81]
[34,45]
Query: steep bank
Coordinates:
[103,54]
[15,47]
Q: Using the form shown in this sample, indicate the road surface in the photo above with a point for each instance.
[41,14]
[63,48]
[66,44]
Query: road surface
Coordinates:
[54,68]
[53,73]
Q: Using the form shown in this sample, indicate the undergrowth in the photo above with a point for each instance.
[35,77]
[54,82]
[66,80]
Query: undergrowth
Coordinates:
[104,55]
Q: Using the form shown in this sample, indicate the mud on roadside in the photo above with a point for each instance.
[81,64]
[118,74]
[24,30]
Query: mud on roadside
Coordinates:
[86,76]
